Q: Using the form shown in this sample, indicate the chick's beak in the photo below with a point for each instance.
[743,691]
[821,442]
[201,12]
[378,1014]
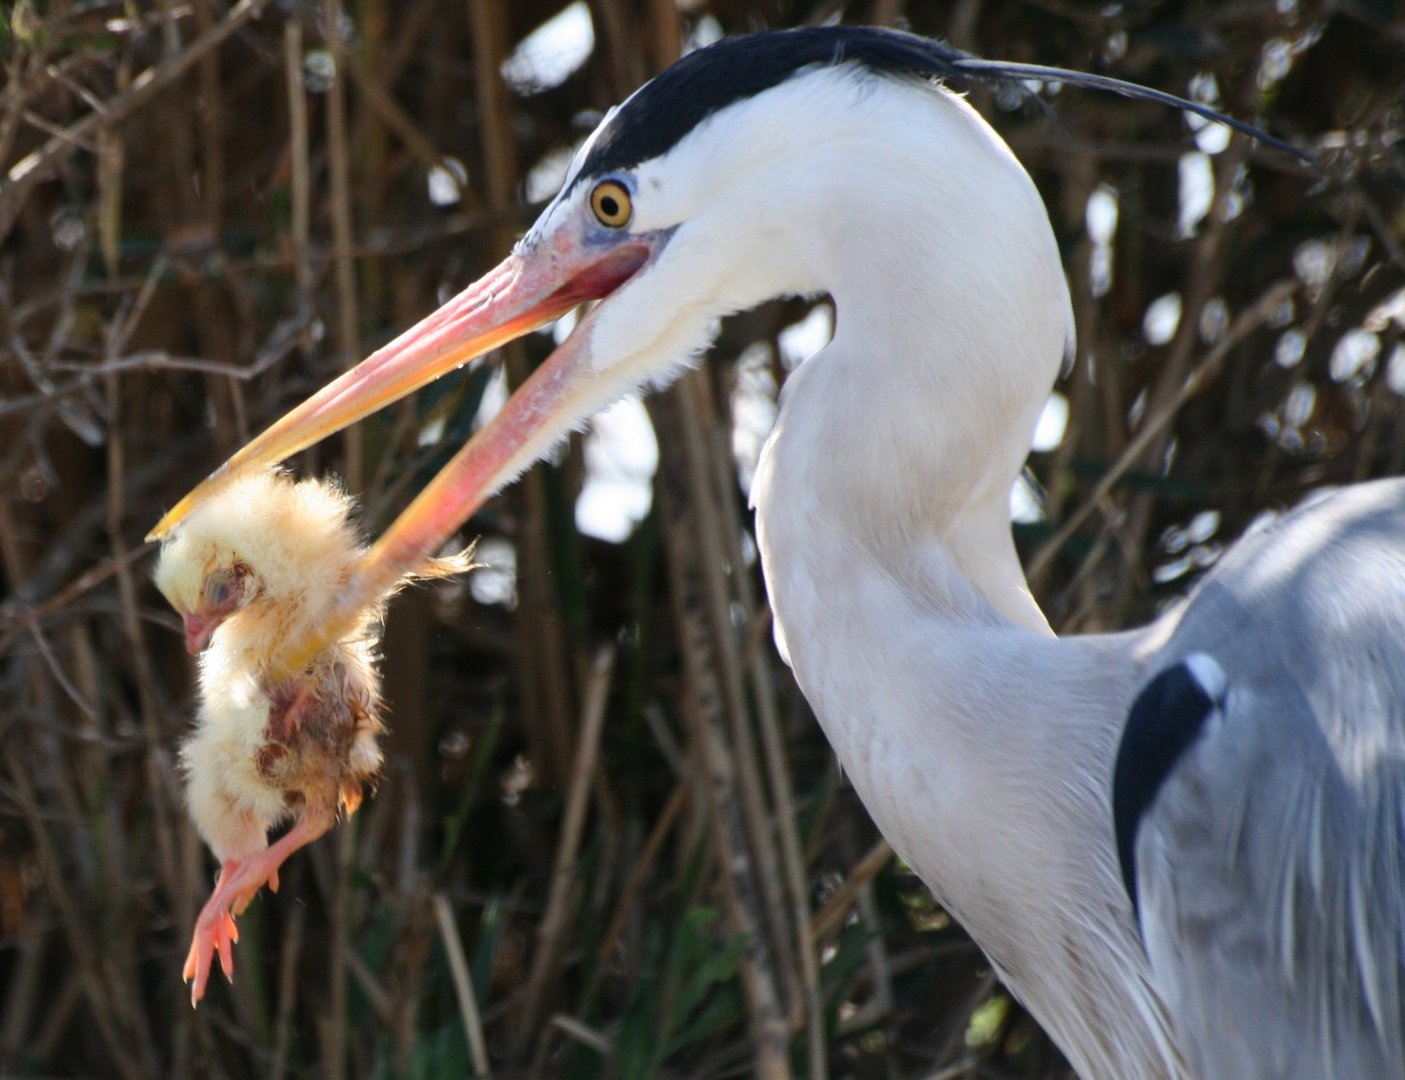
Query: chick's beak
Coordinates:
[531,287]
[199,628]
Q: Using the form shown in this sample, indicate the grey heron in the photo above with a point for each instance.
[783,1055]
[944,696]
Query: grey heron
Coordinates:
[1218,890]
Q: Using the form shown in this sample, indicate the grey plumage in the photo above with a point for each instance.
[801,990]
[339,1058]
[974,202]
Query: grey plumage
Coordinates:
[1270,865]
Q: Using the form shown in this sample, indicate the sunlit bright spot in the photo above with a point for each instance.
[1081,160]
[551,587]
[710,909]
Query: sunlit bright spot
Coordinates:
[753,410]
[707,31]
[447,182]
[1115,48]
[1190,545]
[66,229]
[1241,193]
[495,581]
[1210,137]
[1292,344]
[1163,316]
[621,457]
[1301,400]
[319,68]
[516,780]
[748,548]
[493,399]
[800,341]
[1200,557]
[1203,526]
[1317,261]
[1390,310]
[551,53]
[1053,421]
[1137,410]
[1313,262]
[1010,96]
[1395,370]
[1278,56]
[1100,217]
[544,179]
[1214,320]
[432,430]
[1026,501]
[987,1021]
[1100,270]
[1204,88]
[1275,61]
[1354,357]
[1197,191]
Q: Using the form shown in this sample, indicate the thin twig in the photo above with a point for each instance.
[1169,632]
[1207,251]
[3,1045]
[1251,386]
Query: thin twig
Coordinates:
[463,986]
[663,824]
[288,956]
[551,932]
[781,790]
[586,1036]
[829,918]
[339,166]
[301,186]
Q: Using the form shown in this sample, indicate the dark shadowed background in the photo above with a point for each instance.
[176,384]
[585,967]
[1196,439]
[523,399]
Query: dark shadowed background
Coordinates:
[611,839]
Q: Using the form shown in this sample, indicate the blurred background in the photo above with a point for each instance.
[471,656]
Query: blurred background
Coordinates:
[611,840]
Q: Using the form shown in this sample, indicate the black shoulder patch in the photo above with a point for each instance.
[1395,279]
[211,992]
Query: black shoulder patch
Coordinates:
[1164,721]
[668,107]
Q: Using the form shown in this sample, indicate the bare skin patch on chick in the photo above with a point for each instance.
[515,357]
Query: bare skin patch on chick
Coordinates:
[264,561]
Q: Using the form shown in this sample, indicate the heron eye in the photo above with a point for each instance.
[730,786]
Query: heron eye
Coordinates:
[611,202]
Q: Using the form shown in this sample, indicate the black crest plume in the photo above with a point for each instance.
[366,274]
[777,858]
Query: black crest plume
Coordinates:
[668,107]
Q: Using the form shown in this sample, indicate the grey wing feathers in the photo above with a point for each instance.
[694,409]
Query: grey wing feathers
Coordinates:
[1270,859]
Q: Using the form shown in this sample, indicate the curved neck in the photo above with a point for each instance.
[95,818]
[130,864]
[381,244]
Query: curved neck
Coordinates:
[952,320]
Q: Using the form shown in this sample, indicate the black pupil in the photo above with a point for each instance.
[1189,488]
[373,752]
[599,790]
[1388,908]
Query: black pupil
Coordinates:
[609,205]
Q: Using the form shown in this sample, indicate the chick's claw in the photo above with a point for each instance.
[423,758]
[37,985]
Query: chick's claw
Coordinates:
[212,936]
[215,929]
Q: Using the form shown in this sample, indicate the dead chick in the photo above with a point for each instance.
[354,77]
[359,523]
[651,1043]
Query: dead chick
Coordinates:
[265,560]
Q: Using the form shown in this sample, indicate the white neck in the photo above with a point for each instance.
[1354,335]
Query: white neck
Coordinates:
[883,522]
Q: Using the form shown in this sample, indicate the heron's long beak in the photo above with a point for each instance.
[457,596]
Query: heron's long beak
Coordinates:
[524,292]
[528,289]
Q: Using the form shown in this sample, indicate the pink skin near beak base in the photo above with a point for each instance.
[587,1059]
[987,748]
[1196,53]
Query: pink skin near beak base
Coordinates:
[198,630]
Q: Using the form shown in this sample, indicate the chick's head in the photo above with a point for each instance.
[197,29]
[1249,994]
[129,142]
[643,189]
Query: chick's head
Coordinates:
[266,544]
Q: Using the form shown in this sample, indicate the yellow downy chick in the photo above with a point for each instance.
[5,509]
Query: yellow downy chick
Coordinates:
[263,560]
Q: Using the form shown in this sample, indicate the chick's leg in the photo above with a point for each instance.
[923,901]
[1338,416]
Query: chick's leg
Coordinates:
[240,880]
